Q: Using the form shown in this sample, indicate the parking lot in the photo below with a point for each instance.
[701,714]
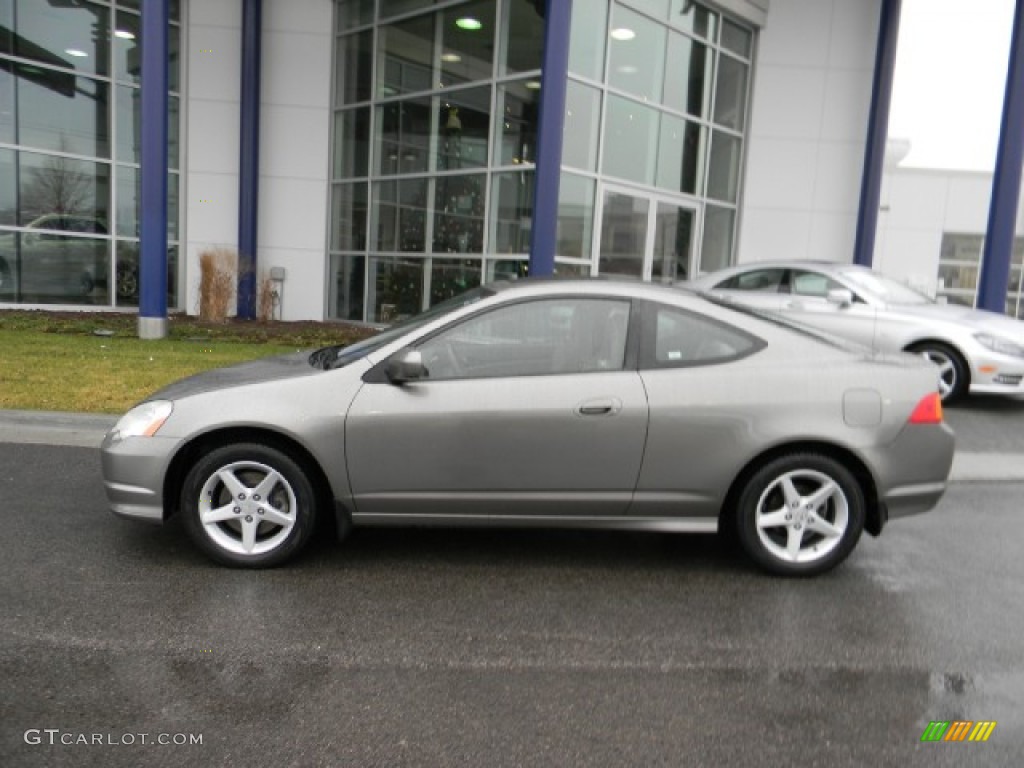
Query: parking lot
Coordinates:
[407,647]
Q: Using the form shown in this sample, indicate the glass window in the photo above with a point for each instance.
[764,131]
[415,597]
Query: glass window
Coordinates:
[815,284]
[465,122]
[400,211]
[623,234]
[631,140]
[688,75]
[677,338]
[575,216]
[8,187]
[637,59]
[516,131]
[523,43]
[588,34]
[347,287]
[764,280]
[129,194]
[397,7]
[724,170]
[532,338]
[459,213]
[505,269]
[348,217]
[716,250]
[126,274]
[71,35]
[731,93]
[673,240]
[736,38]
[403,136]
[62,112]
[43,267]
[128,51]
[582,126]
[7,122]
[395,288]
[129,126]
[467,43]
[52,187]
[353,61]
[352,13]
[451,277]
[405,56]
[511,212]
[680,150]
[352,143]
[693,18]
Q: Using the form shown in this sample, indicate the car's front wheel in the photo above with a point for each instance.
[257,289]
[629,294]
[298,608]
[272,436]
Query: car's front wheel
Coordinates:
[248,505]
[800,514]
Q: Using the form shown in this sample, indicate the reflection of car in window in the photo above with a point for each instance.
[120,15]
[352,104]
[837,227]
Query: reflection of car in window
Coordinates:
[54,258]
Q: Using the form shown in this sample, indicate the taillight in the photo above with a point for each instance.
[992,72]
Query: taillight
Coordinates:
[928,411]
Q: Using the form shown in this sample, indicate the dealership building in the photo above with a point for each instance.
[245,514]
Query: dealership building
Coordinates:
[368,158]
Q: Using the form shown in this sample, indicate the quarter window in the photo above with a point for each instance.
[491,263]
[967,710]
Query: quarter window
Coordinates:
[533,338]
[677,338]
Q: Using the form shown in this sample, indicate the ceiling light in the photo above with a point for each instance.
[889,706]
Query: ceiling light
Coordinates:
[623,33]
[533,85]
[76,53]
[468,22]
[451,58]
[124,34]
[628,69]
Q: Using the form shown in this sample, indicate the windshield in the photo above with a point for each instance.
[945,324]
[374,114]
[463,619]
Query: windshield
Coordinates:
[337,356]
[885,288]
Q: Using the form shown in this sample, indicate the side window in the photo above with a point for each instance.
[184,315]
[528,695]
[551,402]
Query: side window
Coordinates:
[812,283]
[532,338]
[675,338]
[764,280]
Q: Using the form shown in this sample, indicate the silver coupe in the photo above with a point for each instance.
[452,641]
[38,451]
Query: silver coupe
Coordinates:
[976,351]
[588,404]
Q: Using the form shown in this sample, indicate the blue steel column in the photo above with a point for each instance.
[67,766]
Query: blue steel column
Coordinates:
[878,131]
[1002,212]
[152,322]
[249,161]
[554,81]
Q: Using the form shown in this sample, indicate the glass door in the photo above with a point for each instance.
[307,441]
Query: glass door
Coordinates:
[646,236]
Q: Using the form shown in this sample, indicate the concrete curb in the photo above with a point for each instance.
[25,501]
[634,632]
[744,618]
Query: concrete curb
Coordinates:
[86,430]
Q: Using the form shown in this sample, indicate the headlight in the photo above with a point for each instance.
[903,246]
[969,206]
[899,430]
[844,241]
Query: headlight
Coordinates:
[999,345]
[143,420]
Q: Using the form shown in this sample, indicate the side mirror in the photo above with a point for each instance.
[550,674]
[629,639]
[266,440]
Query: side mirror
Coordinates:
[406,365]
[840,297]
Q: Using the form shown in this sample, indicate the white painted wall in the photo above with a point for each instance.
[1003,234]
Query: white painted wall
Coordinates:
[917,206]
[809,118]
[294,139]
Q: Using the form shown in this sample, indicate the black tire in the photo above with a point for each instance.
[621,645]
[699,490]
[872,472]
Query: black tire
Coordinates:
[956,378]
[266,530]
[766,499]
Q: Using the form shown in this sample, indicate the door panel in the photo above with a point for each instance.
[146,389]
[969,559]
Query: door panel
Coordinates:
[623,234]
[535,445]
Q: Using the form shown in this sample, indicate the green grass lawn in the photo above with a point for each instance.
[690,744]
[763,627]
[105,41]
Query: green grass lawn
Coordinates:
[54,362]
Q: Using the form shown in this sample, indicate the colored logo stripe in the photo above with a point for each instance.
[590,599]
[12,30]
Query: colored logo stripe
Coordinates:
[958,730]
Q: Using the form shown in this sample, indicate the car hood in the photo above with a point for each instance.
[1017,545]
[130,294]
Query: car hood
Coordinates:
[290,366]
[979,320]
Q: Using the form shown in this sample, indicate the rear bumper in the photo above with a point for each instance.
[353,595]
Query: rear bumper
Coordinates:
[913,471]
[133,475]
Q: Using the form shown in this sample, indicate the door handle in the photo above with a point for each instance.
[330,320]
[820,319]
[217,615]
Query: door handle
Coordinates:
[602,407]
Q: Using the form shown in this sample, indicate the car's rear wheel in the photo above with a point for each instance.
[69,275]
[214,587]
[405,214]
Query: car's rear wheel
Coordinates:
[248,505]
[953,376]
[800,514]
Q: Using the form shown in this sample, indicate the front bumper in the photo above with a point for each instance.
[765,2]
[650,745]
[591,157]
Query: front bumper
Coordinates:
[133,475]
[995,374]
